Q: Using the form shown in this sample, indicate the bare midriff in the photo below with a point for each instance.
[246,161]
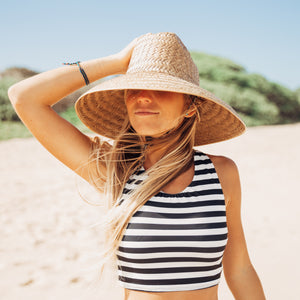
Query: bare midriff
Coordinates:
[203,294]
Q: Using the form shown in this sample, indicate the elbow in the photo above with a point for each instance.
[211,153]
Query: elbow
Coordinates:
[13,94]
[17,100]
[16,95]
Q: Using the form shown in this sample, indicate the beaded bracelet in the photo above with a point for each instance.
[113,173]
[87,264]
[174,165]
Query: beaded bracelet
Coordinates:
[87,82]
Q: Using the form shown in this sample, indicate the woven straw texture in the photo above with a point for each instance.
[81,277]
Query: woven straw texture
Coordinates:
[159,62]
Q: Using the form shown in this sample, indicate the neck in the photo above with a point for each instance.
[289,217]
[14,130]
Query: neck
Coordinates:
[153,156]
[155,152]
[158,150]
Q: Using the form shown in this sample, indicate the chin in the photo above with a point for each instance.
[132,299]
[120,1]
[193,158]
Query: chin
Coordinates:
[146,132]
[151,133]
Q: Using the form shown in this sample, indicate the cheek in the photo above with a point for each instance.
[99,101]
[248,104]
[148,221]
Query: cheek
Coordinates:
[175,111]
[128,104]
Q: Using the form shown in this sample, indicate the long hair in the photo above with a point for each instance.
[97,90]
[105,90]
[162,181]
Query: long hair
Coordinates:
[124,158]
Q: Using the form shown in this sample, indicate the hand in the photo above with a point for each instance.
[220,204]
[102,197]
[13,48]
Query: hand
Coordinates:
[124,55]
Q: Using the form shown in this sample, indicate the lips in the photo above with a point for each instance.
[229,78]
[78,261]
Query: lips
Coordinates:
[145,113]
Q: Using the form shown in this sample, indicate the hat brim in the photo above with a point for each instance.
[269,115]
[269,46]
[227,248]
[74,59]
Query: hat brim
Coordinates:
[102,109]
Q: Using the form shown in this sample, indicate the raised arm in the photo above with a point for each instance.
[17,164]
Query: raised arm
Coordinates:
[32,99]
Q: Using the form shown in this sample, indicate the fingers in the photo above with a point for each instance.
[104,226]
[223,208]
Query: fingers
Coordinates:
[124,55]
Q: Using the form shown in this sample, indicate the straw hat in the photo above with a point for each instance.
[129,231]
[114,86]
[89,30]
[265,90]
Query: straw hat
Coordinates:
[158,62]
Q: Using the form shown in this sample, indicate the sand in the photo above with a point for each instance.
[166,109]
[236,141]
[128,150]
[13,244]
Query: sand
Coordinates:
[48,247]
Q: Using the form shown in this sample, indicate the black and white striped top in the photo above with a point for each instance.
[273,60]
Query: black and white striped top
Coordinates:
[175,242]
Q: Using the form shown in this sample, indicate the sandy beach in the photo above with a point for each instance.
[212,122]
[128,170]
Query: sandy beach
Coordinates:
[48,246]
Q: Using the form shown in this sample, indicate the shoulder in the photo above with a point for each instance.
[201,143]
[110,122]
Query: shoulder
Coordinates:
[223,164]
[228,174]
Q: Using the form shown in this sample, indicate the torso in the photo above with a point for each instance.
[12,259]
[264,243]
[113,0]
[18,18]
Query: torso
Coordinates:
[210,293]
[204,294]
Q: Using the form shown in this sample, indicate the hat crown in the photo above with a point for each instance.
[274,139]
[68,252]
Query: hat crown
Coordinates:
[163,53]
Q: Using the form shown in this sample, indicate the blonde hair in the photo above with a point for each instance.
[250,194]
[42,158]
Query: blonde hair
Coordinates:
[124,158]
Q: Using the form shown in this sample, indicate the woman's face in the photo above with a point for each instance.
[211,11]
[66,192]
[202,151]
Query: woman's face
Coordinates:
[153,113]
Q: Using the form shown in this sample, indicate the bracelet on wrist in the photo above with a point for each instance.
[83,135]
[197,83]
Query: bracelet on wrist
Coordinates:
[87,82]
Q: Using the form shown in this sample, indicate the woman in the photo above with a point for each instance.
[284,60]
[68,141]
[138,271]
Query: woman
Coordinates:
[173,217]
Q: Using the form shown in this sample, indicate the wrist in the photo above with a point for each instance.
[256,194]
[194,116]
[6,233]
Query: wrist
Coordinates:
[102,67]
[117,64]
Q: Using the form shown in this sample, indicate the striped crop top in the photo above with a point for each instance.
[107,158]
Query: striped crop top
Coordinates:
[175,242]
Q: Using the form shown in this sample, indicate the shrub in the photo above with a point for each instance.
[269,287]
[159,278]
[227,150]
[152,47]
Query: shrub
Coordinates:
[208,62]
[7,112]
[286,100]
[297,93]
[246,102]
[18,73]
[250,94]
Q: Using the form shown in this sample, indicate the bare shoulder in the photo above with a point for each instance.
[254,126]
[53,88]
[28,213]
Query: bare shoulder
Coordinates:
[228,174]
[223,164]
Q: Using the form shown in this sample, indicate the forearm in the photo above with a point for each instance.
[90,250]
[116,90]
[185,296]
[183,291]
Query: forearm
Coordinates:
[246,285]
[49,87]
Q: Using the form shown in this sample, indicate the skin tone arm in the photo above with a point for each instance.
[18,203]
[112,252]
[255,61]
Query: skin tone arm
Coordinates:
[32,99]
[239,272]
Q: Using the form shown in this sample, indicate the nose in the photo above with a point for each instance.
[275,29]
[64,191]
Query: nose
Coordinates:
[144,96]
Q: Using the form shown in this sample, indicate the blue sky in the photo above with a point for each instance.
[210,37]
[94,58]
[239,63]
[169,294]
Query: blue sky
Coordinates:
[263,36]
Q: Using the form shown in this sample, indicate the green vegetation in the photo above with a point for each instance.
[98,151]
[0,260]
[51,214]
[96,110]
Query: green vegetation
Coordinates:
[7,112]
[10,130]
[70,115]
[10,124]
[257,100]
